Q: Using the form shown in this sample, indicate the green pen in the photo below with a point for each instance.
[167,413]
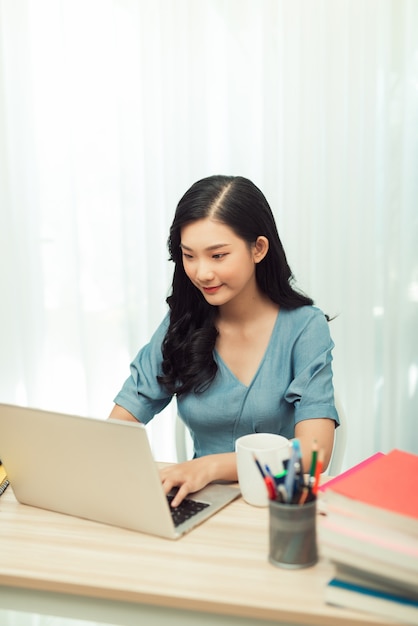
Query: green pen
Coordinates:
[279,478]
[314,458]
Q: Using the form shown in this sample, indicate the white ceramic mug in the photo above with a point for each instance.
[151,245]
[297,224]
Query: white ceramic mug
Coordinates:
[267,448]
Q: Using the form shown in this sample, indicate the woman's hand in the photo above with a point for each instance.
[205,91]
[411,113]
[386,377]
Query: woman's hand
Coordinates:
[197,473]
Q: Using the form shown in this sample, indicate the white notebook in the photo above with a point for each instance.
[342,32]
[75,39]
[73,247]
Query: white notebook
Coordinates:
[101,470]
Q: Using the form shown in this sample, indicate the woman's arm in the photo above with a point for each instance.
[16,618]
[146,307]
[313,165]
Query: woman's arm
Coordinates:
[320,430]
[193,475]
[119,413]
[197,473]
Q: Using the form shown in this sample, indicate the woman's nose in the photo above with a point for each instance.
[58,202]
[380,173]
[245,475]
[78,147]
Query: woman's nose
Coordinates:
[204,271]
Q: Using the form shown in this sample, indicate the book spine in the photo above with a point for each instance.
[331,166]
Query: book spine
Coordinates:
[401,609]
[402,577]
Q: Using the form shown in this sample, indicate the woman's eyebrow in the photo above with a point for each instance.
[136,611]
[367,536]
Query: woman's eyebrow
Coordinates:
[215,246]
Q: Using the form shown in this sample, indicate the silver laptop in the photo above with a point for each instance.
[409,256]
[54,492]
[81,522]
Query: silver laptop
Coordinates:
[101,470]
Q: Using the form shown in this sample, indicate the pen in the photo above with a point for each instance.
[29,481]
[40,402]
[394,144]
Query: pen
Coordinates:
[289,481]
[318,470]
[296,444]
[268,480]
[313,459]
[304,495]
[299,466]
[271,487]
[282,494]
[280,477]
[257,462]
[271,483]
[268,470]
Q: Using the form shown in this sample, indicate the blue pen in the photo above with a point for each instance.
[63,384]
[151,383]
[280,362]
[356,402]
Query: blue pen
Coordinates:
[268,480]
[296,444]
[299,471]
[272,480]
[268,470]
[289,481]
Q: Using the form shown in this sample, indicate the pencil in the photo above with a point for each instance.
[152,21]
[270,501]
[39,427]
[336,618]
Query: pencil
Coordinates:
[303,495]
[314,458]
[318,470]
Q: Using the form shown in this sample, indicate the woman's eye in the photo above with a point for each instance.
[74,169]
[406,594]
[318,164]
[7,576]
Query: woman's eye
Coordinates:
[219,256]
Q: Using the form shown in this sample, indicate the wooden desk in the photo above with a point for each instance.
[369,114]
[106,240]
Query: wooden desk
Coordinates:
[217,574]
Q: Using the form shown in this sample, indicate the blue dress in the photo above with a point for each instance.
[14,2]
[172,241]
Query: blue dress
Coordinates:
[293,383]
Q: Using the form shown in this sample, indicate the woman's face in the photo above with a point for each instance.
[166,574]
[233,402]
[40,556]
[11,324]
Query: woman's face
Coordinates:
[218,262]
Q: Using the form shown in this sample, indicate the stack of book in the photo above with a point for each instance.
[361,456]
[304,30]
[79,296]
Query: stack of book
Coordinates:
[369,531]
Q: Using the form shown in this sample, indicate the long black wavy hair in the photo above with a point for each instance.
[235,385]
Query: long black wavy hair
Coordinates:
[188,363]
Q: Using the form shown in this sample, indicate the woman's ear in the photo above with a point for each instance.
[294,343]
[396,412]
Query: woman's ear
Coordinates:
[260,249]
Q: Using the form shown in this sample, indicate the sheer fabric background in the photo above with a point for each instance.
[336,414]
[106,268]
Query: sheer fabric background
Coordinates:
[110,110]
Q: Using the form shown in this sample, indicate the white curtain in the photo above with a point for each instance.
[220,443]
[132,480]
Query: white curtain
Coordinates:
[111,109]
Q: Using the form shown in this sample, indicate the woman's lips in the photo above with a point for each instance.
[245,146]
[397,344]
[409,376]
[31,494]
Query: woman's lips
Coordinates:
[211,290]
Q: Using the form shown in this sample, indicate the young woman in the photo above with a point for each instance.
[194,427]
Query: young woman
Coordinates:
[241,349]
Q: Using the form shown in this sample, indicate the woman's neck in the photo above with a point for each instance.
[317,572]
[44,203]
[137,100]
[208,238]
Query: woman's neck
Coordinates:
[247,311]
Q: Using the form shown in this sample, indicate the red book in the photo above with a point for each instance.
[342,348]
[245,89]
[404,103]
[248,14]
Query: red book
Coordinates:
[383,491]
[333,481]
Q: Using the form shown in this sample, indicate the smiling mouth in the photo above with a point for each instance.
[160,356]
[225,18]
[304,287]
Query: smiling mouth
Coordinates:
[210,290]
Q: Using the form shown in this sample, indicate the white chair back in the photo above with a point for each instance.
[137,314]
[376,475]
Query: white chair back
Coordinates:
[181,440]
[340,441]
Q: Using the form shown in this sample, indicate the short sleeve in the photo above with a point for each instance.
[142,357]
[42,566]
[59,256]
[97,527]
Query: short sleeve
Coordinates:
[142,395]
[311,390]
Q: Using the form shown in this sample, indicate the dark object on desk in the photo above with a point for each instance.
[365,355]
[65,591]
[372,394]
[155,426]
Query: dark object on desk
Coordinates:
[292,533]
[4,482]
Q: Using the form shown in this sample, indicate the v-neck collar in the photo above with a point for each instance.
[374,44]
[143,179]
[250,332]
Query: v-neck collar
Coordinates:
[222,363]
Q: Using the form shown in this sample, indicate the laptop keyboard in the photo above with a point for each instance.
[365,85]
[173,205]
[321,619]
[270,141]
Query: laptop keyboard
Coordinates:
[186,509]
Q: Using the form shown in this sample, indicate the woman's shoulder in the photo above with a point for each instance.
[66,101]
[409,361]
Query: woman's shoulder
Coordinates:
[305,324]
[162,327]
[304,314]
[157,335]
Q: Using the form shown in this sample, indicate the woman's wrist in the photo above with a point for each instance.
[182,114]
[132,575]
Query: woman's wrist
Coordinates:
[223,466]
